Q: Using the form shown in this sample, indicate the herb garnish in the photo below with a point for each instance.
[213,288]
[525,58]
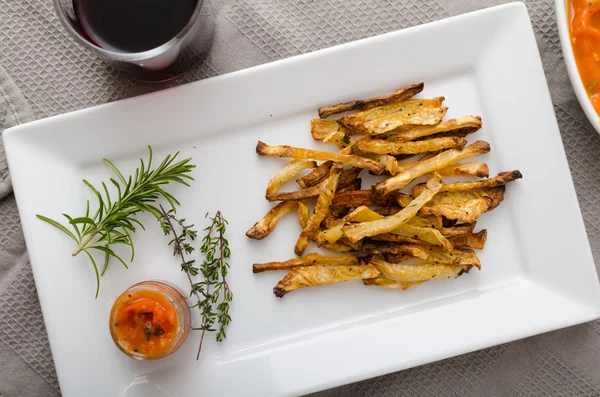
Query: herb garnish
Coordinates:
[114,219]
[213,289]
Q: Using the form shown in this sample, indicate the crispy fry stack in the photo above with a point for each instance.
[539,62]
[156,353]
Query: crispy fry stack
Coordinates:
[397,240]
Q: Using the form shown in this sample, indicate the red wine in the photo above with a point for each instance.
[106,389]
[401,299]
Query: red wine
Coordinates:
[133,25]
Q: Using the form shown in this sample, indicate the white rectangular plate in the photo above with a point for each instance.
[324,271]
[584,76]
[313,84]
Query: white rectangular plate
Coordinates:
[537,275]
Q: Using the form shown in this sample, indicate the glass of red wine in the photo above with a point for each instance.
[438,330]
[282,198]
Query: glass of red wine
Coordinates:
[149,40]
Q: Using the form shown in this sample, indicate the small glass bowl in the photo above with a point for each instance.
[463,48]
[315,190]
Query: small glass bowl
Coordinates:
[175,297]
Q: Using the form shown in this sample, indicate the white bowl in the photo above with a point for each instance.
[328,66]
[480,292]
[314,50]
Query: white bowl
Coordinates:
[567,49]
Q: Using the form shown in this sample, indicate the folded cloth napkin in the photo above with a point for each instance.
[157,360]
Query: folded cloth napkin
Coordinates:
[14,110]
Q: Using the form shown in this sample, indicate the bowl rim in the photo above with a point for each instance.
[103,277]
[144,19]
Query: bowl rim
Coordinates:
[569,59]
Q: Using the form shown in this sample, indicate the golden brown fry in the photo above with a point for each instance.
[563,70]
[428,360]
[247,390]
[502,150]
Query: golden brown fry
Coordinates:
[399,114]
[334,233]
[458,230]
[364,104]
[338,247]
[303,214]
[411,232]
[267,224]
[442,160]
[286,174]
[366,229]
[357,198]
[474,240]
[299,153]
[389,162]
[387,283]
[501,179]
[297,194]
[428,253]
[350,187]
[468,211]
[323,203]
[420,272]
[395,238]
[479,170]
[379,146]
[316,176]
[349,176]
[460,197]
[456,127]
[308,260]
[314,276]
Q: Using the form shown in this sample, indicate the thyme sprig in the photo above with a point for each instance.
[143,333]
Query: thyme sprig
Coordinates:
[213,289]
[114,221]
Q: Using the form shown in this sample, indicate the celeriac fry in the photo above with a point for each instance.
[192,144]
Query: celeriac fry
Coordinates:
[468,211]
[357,198]
[338,247]
[380,146]
[286,174]
[387,283]
[350,187]
[410,232]
[442,160]
[267,224]
[398,258]
[316,176]
[428,253]
[321,129]
[474,240]
[458,230]
[389,210]
[299,153]
[402,119]
[459,198]
[308,260]
[480,170]
[457,127]
[420,272]
[407,109]
[334,233]
[395,238]
[366,229]
[389,162]
[499,180]
[399,95]
[298,194]
[316,275]
[323,203]
[303,214]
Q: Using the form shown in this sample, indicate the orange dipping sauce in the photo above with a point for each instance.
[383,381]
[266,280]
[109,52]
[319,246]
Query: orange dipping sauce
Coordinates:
[584,26]
[150,320]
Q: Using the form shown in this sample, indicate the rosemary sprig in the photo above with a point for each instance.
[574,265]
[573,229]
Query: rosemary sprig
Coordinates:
[213,289]
[113,222]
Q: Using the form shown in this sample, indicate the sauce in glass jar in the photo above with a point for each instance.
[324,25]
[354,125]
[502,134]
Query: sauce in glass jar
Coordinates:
[150,320]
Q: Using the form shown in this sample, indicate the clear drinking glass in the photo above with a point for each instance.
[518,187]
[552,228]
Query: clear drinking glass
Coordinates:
[162,63]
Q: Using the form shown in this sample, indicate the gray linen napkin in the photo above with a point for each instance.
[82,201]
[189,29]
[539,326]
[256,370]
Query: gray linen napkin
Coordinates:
[56,76]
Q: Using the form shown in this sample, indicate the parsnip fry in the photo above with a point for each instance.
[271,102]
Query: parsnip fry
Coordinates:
[265,226]
[334,233]
[308,260]
[379,146]
[338,247]
[387,283]
[474,241]
[323,203]
[314,276]
[297,194]
[456,127]
[366,229]
[364,104]
[316,176]
[420,272]
[389,162]
[299,153]
[467,203]
[286,174]
[442,160]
